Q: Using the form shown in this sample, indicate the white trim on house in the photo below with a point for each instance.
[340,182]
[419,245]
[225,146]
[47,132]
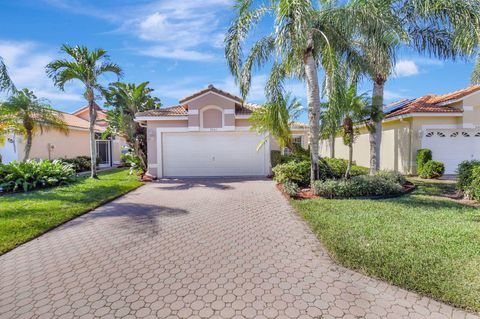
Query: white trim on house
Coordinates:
[161,118]
[193,128]
[425,114]
[468,108]
[447,126]
[458,100]
[208,92]
[229,111]
[193,112]
[242,117]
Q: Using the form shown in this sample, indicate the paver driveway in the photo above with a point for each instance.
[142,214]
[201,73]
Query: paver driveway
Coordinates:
[190,249]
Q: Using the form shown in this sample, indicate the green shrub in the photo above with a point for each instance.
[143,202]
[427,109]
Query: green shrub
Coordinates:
[363,185]
[291,188]
[297,172]
[32,174]
[473,189]
[423,156]
[275,158]
[432,169]
[338,168]
[393,176]
[79,163]
[465,173]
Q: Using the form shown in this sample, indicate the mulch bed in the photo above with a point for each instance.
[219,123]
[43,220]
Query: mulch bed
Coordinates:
[307,193]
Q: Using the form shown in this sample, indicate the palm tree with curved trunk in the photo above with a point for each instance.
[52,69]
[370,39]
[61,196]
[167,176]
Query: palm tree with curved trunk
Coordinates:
[274,119]
[126,99]
[28,115]
[87,67]
[6,83]
[445,29]
[304,37]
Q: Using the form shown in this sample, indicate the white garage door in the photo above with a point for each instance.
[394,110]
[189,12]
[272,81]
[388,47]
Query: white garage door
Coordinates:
[453,146]
[213,154]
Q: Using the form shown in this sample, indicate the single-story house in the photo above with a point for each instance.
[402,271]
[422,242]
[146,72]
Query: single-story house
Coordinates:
[448,125]
[53,145]
[208,134]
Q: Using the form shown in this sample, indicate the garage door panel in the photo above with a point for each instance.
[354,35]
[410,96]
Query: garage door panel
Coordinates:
[452,146]
[212,154]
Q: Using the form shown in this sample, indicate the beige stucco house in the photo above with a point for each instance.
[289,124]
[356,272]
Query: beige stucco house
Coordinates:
[208,134]
[53,145]
[448,124]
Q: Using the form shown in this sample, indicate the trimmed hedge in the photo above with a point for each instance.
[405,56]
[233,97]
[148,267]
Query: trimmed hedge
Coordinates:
[293,171]
[432,169]
[357,186]
[32,174]
[423,156]
[469,179]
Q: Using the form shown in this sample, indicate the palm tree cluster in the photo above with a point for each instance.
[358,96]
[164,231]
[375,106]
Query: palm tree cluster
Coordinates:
[23,113]
[348,41]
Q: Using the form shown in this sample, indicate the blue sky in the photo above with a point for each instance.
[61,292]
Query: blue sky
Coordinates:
[177,45]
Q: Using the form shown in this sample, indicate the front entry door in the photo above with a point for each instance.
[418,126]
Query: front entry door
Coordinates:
[103,153]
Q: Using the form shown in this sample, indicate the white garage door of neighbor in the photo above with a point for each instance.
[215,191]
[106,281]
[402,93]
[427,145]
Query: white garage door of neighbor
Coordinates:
[453,146]
[212,154]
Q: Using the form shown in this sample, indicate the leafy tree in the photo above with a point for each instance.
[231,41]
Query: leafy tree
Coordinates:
[304,37]
[274,119]
[87,67]
[127,99]
[6,83]
[445,29]
[28,114]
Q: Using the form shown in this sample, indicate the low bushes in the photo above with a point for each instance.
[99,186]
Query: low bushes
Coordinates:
[432,169]
[290,188]
[357,186]
[275,158]
[426,167]
[32,174]
[79,163]
[293,171]
[469,179]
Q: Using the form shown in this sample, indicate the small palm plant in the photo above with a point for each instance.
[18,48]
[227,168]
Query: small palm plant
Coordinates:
[28,115]
[85,66]
[274,119]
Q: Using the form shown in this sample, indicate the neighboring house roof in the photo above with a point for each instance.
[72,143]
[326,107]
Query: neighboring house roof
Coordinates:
[298,125]
[176,110]
[429,103]
[74,121]
[84,108]
[210,88]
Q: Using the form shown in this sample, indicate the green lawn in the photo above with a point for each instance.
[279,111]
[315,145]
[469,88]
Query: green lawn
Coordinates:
[24,216]
[422,241]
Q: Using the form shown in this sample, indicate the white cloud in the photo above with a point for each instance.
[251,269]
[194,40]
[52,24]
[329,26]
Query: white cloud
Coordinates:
[176,53]
[404,68]
[26,63]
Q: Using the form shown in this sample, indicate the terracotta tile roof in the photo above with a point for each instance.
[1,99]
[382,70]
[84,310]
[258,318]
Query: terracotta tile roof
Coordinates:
[245,109]
[298,125]
[212,89]
[430,103]
[177,110]
[74,121]
[80,110]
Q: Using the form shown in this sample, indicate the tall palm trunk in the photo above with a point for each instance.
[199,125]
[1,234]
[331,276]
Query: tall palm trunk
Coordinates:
[93,144]
[376,129]
[28,145]
[313,104]
[350,160]
[332,145]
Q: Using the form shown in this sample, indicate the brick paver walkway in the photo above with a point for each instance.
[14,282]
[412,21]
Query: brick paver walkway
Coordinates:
[189,249]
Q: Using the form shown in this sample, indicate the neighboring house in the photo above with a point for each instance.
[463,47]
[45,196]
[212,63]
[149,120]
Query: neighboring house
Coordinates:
[447,124]
[53,145]
[207,134]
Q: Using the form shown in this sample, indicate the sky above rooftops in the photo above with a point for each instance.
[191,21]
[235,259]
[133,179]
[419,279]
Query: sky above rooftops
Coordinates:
[175,45]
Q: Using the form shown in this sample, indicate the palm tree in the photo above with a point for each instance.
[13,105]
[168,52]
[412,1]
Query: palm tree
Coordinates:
[87,67]
[6,83]
[28,114]
[274,119]
[439,28]
[126,100]
[303,38]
